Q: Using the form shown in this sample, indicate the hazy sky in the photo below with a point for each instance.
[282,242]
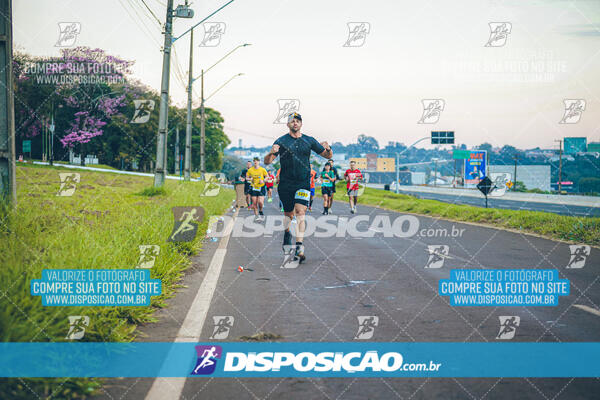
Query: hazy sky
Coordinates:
[510,94]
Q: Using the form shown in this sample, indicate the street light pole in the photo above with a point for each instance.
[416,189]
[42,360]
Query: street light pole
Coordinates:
[177,150]
[203,117]
[559,166]
[398,161]
[202,131]
[159,172]
[202,99]
[188,126]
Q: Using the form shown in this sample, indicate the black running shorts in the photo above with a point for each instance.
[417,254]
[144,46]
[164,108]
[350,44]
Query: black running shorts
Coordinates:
[326,190]
[256,193]
[295,194]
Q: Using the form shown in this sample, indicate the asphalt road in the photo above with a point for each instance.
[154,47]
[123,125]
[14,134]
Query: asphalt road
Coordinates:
[346,277]
[496,202]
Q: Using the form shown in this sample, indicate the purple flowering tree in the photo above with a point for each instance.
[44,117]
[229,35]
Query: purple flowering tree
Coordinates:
[94,89]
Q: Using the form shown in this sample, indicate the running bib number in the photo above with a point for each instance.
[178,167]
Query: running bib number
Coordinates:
[353,178]
[256,187]
[302,194]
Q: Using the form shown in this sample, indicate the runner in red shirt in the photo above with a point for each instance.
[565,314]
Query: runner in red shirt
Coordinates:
[353,176]
[269,181]
[313,174]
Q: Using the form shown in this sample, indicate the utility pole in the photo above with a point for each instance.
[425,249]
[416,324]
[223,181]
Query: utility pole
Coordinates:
[188,125]
[177,150]
[559,166]
[202,121]
[454,178]
[44,141]
[516,158]
[397,171]
[8,178]
[52,139]
[165,163]
[159,172]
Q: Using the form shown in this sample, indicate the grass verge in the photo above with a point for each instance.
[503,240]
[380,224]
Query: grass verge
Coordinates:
[100,226]
[571,229]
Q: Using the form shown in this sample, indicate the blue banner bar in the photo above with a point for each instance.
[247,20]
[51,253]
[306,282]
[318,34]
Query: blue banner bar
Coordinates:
[306,359]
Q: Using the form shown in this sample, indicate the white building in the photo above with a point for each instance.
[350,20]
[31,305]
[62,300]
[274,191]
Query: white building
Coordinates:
[417,178]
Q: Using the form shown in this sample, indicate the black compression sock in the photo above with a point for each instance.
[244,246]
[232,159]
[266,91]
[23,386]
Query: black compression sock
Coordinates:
[298,243]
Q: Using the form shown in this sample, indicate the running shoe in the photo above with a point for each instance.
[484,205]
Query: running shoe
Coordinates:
[352,210]
[300,252]
[269,200]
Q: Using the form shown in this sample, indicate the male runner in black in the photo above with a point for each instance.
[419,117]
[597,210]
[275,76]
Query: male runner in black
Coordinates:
[246,182]
[294,150]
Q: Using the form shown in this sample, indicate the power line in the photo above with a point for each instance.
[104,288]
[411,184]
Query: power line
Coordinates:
[249,133]
[152,12]
[136,19]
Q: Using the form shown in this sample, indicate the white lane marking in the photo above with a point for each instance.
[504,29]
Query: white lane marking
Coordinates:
[171,388]
[594,311]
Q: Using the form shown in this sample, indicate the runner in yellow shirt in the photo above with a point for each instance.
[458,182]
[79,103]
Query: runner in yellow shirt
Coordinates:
[256,176]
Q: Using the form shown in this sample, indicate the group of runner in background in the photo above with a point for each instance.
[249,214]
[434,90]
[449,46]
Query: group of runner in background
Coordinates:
[259,183]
